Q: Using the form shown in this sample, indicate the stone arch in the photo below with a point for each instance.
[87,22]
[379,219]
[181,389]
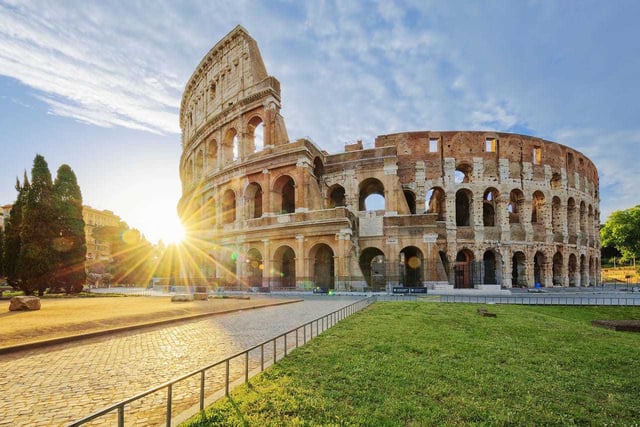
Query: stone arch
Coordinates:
[336,196]
[464,208]
[556,181]
[583,217]
[368,188]
[318,170]
[558,269]
[228,207]
[253,201]
[556,219]
[199,166]
[436,202]
[255,134]
[212,154]
[492,267]
[374,268]
[285,195]
[573,270]
[489,207]
[463,277]
[230,147]
[412,265]
[255,267]
[537,208]
[189,171]
[463,173]
[572,219]
[539,265]
[584,272]
[410,197]
[519,269]
[323,273]
[516,203]
[284,260]
[571,167]
[590,228]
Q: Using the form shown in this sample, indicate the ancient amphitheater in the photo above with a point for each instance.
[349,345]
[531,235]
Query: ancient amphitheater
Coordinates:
[442,210]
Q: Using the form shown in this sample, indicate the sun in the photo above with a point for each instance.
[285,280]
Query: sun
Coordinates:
[172,233]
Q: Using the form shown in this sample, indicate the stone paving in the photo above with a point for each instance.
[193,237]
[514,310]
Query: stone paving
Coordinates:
[59,384]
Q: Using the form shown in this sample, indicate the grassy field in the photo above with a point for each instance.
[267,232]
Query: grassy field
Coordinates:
[61,317]
[433,364]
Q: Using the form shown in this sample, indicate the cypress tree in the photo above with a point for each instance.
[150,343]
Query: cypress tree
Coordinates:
[38,258]
[71,242]
[13,228]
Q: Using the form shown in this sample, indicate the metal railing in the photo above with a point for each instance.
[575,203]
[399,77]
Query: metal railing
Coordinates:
[321,324]
[541,300]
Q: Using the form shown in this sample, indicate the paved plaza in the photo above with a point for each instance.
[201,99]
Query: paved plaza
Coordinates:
[56,385]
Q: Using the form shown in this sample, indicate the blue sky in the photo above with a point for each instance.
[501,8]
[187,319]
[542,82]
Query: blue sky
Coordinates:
[97,84]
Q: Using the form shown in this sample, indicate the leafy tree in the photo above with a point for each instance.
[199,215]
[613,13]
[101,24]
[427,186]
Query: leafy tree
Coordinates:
[71,242]
[13,228]
[622,231]
[38,259]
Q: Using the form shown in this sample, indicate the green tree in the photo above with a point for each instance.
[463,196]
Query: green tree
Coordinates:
[622,231]
[13,228]
[70,243]
[38,258]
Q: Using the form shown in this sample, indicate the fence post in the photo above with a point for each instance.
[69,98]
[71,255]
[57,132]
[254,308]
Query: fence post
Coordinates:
[226,378]
[121,415]
[261,357]
[274,351]
[246,367]
[285,344]
[169,392]
[201,390]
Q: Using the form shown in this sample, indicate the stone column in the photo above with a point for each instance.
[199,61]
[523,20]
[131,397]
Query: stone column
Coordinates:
[266,263]
[301,260]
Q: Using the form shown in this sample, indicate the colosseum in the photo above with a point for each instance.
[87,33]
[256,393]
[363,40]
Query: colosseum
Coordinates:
[431,209]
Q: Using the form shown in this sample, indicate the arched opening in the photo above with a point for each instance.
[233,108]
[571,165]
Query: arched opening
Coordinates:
[189,172]
[462,174]
[229,268]
[371,195]
[323,266]
[255,134]
[537,208]
[573,270]
[228,207]
[556,219]
[590,228]
[411,265]
[284,189]
[584,276]
[230,146]
[489,207]
[463,270]
[491,268]
[572,219]
[583,218]
[212,154]
[556,181]
[285,267]
[558,269]
[539,262]
[199,166]
[463,208]
[336,196]
[519,270]
[436,202]
[411,201]
[318,169]
[516,201]
[255,268]
[253,200]
[374,268]
[592,271]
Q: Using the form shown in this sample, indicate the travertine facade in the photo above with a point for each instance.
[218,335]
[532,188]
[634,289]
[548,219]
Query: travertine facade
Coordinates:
[455,209]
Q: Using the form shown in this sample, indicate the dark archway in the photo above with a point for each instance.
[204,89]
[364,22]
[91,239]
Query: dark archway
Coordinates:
[228,207]
[284,189]
[519,270]
[491,268]
[368,189]
[253,201]
[573,270]
[436,202]
[411,263]
[254,268]
[464,269]
[558,269]
[539,262]
[463,208]
[373,265]
[285,265]
[411,201]
[323,266]
[489,204]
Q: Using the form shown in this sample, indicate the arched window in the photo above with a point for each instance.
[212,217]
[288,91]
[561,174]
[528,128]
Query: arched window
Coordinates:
[323,266]
[537,208]
[463,272]
[373,265]
[491,268]
[489,207]
[556,181]
[228,207]
[519,270]
[371,195]
[462,173]
[572,218]
[253,200]
[212,154]
[285,267]
[336,196]
[284,189]
[463,208]
[436,202]
[516,201]
[230,149]
[539,262]
[411,201]
[558,270]
[255,134]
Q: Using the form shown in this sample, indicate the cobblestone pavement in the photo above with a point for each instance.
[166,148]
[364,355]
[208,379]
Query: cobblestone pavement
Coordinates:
[60,384]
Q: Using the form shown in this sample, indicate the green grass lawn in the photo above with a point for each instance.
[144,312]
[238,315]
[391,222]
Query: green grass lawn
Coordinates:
[432,364]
